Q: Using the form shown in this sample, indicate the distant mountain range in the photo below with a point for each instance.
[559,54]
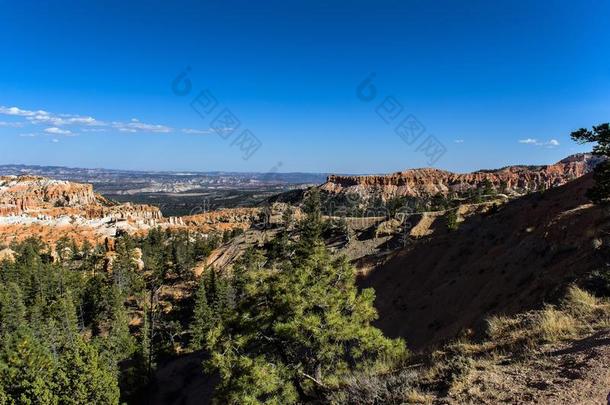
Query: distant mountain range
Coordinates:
[97,176]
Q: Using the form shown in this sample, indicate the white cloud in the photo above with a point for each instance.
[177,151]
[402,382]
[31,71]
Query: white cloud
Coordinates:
[19,112]
[57,131]
[459,141]
[93,129]
[136,126]
[63,120]
[11,124]
[41,117]
[549,144]
[197,131]
[55,140]
[29,135]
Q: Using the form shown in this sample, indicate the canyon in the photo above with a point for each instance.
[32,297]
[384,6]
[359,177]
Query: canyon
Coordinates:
[31,205]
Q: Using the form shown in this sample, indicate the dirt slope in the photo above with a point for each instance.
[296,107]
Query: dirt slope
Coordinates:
[565,374]
[507,262]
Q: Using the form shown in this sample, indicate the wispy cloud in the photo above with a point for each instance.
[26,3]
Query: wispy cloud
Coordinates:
[11,124]
[58,131]
[93,130]
[64,119]
[532,141]
[19,112]
[136,126]
[87,123]
[198,131]
[459,141]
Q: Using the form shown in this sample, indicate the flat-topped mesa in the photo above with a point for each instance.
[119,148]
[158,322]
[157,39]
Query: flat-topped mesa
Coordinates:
[19,194]
[429,182]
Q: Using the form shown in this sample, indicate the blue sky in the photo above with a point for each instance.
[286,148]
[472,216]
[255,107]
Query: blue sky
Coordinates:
[89,84]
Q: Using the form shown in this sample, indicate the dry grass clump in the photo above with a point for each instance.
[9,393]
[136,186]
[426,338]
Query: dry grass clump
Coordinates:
[453,369]
[584,305]
[504,328]
[579,311]
[370,388]
[553,325]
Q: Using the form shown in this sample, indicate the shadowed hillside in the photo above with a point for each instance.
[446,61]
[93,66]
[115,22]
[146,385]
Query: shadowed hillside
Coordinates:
[507,262]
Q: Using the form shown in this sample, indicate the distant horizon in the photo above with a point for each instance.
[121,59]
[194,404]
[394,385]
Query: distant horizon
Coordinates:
[197,172]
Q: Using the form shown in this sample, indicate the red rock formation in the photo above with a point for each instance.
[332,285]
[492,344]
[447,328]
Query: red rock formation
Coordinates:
[37,206]
[20,194]
[225,219]
[428,182]
[50,209]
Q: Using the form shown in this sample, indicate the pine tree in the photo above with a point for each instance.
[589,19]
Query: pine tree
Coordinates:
[12,308]
[451,218]
[296,331]
[82,378]
[288,217]
[117,343]
[202,321]
[26,370]
[599,134]
[310,229]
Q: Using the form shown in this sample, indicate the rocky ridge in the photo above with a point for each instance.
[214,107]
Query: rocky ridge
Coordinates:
[51,209]
[512,180]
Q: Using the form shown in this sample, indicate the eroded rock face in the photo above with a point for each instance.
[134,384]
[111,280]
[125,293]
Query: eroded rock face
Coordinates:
[225,219]
[19,194]
[428,182]
[50,209]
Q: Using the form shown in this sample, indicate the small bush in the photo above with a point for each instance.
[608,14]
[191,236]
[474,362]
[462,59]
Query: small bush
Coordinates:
[368,388]
[554,325]
[453,371]
[580,303]
[451,219]
[501,328]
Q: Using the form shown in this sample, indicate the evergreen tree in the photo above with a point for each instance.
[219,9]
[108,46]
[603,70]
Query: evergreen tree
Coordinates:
[26,371]
[124,268]
[451,219]
[116,342]
[296,331]
[288,217]
[202,320]
[82,378]
[599,134]
[12,308]
[310,229]
[488,188]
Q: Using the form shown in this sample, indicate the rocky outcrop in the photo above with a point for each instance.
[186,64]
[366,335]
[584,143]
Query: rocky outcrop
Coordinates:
[225,219]
[19,194]
[514,180]
[50,209]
